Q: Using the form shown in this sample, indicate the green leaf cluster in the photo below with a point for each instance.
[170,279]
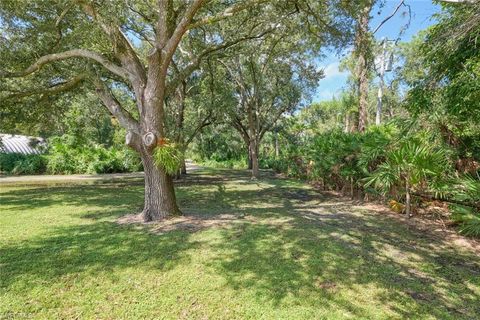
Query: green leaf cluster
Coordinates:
[169,157]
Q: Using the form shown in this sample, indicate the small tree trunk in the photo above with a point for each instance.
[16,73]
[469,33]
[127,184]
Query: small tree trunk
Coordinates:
[250,160]
[254,157]
[277,146]
[347,123]
[407,200]
[351,189]
[183,169]
[160,201]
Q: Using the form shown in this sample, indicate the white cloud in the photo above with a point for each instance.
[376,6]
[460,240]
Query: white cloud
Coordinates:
[332,71]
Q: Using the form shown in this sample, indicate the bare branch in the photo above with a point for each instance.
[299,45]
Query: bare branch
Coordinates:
[401,3]
[459,1]
[75,53]
[58,27]
[238,125]
[205,122]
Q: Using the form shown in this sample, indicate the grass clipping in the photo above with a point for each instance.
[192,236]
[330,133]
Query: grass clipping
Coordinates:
[168,156]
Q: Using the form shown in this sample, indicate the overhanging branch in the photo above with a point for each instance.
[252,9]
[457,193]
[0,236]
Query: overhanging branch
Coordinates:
[55,89]
[121,44]
[75,53]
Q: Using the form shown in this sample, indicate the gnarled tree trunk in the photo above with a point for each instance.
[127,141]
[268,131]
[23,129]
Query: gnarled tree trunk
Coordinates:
[160,201]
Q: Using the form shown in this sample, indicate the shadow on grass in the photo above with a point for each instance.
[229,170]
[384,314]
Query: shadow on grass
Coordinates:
[104,194]
[294,245]
[93,248]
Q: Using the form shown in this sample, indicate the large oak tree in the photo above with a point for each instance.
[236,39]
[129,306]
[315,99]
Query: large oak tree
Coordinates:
[129,45]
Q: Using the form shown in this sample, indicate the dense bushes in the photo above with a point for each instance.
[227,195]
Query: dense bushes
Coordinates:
[386,164]
[225,164]
[467,190]
[64,156]
[334,159]
[14,163]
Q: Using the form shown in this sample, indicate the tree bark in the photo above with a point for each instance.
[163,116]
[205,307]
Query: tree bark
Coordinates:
[249,160]
[254,158]
[160,201]
[362,52]
[347,123]
[407,200]
[253,142]
[277,146]
[183,169]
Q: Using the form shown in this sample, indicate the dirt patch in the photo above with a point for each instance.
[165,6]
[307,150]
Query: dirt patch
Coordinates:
[187,222]
[433,228]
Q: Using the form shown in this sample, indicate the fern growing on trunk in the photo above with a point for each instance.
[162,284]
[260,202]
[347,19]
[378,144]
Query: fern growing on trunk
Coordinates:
[168,156]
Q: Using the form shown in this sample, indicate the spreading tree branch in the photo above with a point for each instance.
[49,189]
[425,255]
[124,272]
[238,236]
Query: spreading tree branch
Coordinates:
[122,47]
[205,122]
[75,53]
[115,108]
[195,63]
[181,28]
[52,90]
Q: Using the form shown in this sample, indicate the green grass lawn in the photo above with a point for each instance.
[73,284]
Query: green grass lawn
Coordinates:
[275,249]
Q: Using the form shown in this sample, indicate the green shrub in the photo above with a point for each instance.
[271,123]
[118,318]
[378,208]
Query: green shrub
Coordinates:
[467,189]
[8,160]
[410,166]
[468,220]
[15,163]
[225,164]
[65,157]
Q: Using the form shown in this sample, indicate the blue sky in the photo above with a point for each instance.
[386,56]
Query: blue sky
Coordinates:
[422,12]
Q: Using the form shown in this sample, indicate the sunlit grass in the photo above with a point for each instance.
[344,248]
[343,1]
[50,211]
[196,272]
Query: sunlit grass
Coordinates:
[290,253]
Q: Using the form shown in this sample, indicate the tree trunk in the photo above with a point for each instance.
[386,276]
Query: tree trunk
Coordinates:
[347,123]
[362,52]
[407,200]
[249,159]
[183,169]
[254,158]
[277,145]
[160,201]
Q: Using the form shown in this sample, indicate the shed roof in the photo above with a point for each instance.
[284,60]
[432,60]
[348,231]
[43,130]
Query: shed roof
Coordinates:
[10,143]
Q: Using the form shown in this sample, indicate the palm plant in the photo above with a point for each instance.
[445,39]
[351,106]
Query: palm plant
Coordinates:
[410,167]
[467,189]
